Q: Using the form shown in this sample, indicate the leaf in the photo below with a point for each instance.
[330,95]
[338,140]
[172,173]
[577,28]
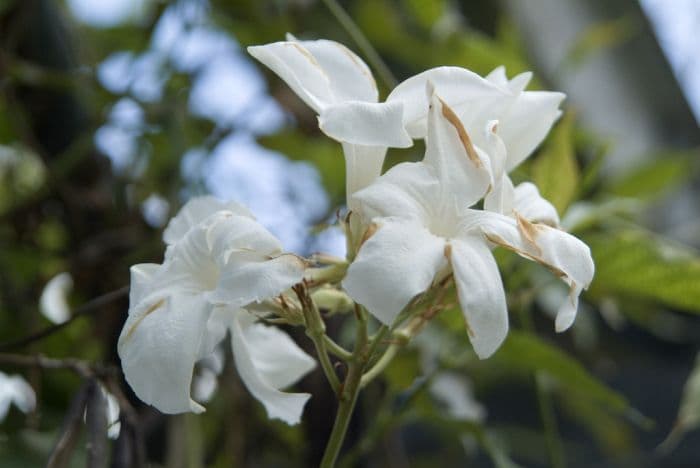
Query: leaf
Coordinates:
[611,434]
[526,352]
[555,171]
[426,13]
[667,171]
[637,264]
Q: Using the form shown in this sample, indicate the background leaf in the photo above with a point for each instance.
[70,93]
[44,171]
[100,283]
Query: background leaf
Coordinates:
[555,171]
[634,263]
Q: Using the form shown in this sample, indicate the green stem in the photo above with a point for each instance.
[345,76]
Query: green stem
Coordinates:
[325,361]
[350,391]
[362,42]
[376,340]
[316,330]
[336,349]
[380,365]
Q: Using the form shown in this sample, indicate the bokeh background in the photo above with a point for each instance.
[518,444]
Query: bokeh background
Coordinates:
[114,112]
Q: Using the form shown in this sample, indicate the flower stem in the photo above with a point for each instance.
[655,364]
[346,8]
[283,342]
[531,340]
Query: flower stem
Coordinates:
[316,330]
[380,365]
[362,42]
[325,361]
[349,393]
[336,349]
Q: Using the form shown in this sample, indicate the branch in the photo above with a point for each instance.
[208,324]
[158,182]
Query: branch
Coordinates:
[80,367]
[84,309]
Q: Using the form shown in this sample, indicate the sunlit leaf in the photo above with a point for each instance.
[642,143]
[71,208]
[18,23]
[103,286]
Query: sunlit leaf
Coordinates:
[634,263]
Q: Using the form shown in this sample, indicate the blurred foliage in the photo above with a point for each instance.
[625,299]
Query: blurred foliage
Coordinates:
[64,208]
[555,171]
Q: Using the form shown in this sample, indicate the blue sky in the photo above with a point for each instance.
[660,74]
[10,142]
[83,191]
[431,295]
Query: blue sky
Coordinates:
[228,89]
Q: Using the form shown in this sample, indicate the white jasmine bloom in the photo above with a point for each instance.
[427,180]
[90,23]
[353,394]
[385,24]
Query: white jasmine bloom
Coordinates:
[520,118]
[180,310]
[339,86]
[15,390]
[53,302]
[425,229]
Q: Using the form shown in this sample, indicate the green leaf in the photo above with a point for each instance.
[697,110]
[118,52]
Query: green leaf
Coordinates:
[667,171]
[526,352]
[640,265]
[555,171]
[426,13]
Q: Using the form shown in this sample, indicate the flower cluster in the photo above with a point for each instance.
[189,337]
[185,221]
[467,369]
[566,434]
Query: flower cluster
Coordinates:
[413,227]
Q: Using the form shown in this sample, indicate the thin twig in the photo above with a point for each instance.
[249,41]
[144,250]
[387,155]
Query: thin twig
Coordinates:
[80,367]
[362,42]
[84,309]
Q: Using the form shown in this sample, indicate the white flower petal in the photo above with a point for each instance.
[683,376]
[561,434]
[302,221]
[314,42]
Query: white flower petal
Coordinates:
[285,406]
[349,77]
[204,385]
[527,123]
[15,390]
[498,76]
[242,282]
[366,123]
[194,212]
[519,82]
[466,92]
[159,346]
[464,177]
[53,302]
[189,265]
[398,262]
[276,357]
[363,164]
[229,235]
[407,190]
[564,254]
[292,62]
[502,198]
[141,278]
[481,294]
[533,207]
[113,424]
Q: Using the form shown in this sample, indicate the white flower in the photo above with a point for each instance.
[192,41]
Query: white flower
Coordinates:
[53,303]
[425,229]
[339,86]
[217,263]
[14,389]
[520,118]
